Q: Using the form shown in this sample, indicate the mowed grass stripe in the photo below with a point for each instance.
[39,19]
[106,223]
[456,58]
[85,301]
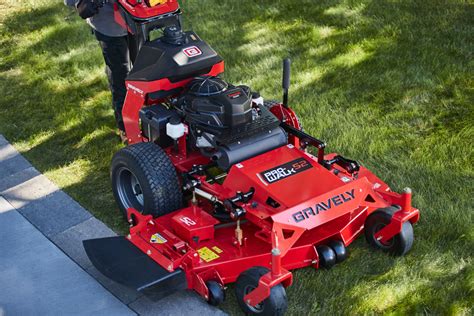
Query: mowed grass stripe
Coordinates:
[388,83]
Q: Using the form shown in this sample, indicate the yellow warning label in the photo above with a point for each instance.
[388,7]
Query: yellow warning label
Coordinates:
[156,2]
[157,239]
[217,249]
[207,254]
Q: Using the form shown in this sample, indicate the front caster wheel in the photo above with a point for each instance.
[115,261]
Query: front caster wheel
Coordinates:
[339,249]
[400,244]
[275,304]
[216,293]
[327,256]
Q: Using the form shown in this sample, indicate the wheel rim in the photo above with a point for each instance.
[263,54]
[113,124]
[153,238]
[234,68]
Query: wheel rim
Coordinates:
[385,245]
[129,189]
[257,308]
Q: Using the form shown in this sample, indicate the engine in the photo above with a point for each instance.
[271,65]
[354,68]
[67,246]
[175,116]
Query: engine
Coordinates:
[225,121]
[213,107]
[226,124]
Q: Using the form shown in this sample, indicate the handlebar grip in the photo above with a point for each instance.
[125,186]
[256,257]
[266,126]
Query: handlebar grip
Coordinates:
[286,73]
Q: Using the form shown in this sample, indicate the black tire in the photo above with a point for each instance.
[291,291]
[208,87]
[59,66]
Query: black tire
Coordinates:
[216,293]
[339,249]
[400,244]
[275,304]
[327,256]
[144,178]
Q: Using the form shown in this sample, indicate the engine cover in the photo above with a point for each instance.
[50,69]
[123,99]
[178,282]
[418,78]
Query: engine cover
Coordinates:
[215,105]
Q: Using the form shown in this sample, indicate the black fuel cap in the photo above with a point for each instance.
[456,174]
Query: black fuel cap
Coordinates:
[174,120]
[173,35]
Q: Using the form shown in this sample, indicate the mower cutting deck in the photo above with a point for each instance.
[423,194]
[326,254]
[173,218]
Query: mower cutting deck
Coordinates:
[219,186]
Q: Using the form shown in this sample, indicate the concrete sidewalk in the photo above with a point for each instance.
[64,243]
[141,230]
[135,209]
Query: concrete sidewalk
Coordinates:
[38,279]
[43,266]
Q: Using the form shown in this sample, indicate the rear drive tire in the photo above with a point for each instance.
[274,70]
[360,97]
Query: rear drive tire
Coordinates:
[144,178]
[400,244]
[275,304]
[339,249]
[327,256]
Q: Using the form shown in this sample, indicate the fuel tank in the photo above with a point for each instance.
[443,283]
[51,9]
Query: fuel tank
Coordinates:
[176,56]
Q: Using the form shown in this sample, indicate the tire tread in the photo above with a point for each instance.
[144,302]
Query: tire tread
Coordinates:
[160,174]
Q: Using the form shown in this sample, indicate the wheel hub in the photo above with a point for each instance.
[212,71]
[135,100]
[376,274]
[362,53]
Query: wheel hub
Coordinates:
[129,189]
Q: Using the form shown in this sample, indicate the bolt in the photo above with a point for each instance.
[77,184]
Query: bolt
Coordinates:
[148,252]
[276,252]
[129,236]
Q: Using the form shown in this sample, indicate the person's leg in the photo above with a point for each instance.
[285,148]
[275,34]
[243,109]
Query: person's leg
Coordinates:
[117,66]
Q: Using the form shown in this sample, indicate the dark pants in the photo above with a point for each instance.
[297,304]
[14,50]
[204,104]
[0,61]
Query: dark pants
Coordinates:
[117,66]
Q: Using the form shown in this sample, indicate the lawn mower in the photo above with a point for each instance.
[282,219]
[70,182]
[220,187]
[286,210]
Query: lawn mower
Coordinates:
[220,186]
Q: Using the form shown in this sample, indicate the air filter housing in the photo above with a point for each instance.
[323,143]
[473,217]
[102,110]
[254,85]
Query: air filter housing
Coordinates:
[212,103]
[207,86]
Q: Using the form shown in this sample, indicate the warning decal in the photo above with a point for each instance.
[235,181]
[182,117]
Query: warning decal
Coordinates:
[157,239]
[207,254]
[217,249]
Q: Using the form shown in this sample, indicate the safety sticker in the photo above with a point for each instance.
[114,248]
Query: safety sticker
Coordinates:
[217,249]
[207,254]
[157,239]
[345,179]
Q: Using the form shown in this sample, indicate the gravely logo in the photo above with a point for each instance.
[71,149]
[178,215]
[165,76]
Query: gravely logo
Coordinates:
[324,206]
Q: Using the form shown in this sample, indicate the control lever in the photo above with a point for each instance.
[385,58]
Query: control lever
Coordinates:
[235,210]
[349,165]
[286,80]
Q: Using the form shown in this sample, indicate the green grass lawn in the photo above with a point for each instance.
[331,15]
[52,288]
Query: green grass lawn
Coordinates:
[389,83]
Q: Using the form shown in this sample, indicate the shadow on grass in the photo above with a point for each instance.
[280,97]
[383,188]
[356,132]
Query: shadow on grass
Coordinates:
[386,83]
[54,101]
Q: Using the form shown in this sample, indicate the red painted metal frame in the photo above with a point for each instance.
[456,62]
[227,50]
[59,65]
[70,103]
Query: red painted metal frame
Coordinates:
[282,238]
[289,117]
[143,11]
[293,243]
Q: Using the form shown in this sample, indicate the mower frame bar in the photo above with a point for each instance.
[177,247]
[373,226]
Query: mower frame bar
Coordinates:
[306,139]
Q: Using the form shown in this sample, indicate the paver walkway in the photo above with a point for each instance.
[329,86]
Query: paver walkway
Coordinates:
[43,267]
[39,279]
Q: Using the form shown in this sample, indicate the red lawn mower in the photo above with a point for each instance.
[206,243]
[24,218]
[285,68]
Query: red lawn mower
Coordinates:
[219,186]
